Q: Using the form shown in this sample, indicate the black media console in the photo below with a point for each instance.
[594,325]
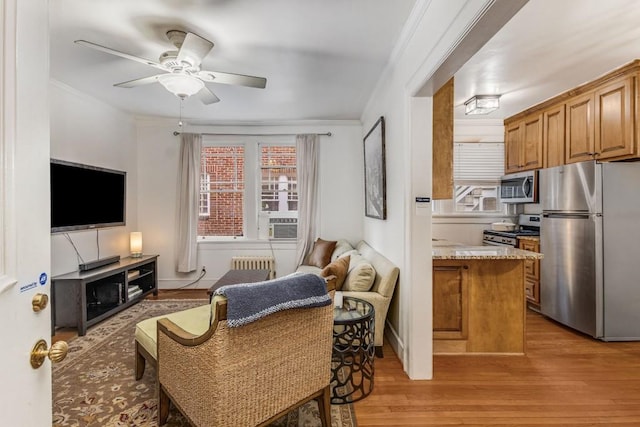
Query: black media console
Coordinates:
[84,298]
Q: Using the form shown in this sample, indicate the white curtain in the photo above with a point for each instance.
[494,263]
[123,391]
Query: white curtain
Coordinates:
[307,160]
[188,201]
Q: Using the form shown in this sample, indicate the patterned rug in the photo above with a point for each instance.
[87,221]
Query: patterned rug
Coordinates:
[95,384]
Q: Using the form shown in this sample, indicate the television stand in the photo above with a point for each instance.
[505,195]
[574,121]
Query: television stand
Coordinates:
[84,298]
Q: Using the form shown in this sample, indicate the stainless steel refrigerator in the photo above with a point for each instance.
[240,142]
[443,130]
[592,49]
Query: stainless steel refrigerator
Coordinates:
[590,239]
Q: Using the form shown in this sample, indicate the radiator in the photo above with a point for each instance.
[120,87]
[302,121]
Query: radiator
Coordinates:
[254,263]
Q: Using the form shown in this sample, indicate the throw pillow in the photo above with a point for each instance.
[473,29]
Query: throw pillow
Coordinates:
[361,275]
[338,268]
[320,256]
[342,247]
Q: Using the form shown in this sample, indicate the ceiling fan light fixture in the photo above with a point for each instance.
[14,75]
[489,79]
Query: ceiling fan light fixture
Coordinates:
[181,85]
[481,104]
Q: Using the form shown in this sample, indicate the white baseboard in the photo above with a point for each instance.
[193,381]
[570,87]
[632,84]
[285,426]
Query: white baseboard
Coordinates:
[392,337]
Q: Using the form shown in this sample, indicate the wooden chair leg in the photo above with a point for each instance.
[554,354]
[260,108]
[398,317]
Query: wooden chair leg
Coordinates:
[324,405]
[163,406]
[140,362]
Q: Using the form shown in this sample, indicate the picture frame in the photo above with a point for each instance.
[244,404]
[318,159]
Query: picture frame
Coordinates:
[375,176]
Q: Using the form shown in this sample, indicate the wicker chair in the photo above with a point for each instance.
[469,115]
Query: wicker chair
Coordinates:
[249,375]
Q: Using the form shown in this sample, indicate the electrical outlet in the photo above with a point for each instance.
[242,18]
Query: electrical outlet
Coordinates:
[204,270]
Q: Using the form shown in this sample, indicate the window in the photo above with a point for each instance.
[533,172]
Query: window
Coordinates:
[279,185]
[248,189]
[222,191]
[477,168]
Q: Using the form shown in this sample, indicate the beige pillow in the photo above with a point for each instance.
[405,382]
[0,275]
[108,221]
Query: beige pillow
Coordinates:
[342,247]
[320,256]
[339,269]
[361,275]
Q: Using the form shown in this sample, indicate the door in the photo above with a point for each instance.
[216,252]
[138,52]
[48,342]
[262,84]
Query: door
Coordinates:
[614,130]
[25,394]
[571,270]
[580,134]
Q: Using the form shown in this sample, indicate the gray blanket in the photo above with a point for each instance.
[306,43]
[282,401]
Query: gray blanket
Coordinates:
[249,302]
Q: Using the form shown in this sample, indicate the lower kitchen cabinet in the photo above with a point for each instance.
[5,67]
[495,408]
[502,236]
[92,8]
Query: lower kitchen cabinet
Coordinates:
[532,271]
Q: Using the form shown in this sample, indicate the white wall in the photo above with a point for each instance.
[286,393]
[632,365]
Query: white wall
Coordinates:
[85,130]
[341,196]
[405,238]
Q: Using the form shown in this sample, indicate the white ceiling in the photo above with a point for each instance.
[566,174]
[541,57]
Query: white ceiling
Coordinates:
[548,47]
[321,58]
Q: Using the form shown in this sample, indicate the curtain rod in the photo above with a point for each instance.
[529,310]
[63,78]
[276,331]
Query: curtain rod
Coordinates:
[176,133]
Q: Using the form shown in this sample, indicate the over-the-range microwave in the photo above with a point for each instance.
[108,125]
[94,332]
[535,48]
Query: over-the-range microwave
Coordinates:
[521,187]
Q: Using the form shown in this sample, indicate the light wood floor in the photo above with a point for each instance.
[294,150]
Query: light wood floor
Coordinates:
[566,379]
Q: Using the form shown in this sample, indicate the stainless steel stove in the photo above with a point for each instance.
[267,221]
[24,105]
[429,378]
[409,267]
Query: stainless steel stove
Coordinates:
[528,225]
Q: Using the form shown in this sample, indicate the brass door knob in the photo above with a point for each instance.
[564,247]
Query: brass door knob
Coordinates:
[56,353]
[39,302]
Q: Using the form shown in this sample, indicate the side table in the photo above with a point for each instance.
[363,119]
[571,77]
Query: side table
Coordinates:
[353,351]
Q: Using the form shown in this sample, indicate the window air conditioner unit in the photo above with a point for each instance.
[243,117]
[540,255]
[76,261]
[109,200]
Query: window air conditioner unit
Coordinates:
[283,228]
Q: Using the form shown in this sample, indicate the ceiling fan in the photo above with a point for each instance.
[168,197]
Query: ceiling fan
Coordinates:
[182,74]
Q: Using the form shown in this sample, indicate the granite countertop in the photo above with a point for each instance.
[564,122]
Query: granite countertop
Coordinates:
[458,251]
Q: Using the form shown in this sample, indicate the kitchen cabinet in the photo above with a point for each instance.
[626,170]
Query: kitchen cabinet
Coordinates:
[600,124]
[523,144]
[450,299]
[580,128]
[442,159]
[614,124]
[553,136]
[532,271]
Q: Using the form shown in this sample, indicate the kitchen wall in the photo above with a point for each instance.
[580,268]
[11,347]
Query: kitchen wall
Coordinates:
[85,130]
[341,195]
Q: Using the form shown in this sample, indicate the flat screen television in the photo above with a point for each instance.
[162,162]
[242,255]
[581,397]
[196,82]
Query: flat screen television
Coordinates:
[84,197]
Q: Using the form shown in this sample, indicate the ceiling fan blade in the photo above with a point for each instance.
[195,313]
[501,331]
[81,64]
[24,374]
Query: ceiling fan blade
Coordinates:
[121,54]
[206,96]
[233,79]
[139,82]
[193,49]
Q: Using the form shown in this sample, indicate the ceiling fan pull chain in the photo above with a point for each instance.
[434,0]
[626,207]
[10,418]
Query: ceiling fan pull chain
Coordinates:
[180,121]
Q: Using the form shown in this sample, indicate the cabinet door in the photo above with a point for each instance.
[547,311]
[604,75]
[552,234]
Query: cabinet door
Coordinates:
[553,136]
[450,302]
[580,144]
[532,291]
[614,136]
[512,147]
[531,154]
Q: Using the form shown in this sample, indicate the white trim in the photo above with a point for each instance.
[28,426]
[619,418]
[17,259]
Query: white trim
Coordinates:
[8,242]
[394,340]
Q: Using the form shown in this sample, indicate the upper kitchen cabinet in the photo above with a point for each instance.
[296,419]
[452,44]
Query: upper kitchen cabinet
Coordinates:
[596,120]
[523,144]
[614,126]
[553,136]
[580,129]
[442,185]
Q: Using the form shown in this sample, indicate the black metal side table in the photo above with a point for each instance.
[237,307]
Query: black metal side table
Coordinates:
[353,351]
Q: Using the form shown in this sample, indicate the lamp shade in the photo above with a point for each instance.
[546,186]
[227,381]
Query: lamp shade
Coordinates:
[135,244]
[482,104]
[181,85]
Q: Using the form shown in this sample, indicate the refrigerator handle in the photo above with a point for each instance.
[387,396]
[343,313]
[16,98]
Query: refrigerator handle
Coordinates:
[568,215]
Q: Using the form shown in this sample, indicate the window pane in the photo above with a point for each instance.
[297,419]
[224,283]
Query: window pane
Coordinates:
[222,186]
[477,198]
[279,185]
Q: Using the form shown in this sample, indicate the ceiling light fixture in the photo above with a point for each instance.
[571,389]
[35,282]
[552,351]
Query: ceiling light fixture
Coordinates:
[181,85]
[482,104]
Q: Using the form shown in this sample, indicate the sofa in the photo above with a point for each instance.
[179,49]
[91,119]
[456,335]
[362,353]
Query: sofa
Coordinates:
[383,281]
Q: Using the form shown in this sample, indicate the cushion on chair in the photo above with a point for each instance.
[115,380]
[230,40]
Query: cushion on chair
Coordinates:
[320,256]
[194,320]
[338,268]
[361,275]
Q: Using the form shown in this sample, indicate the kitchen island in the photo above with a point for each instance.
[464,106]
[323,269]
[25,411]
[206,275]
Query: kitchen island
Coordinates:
[479,298]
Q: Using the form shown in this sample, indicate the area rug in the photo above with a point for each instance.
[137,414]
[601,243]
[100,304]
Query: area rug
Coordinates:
[95,384]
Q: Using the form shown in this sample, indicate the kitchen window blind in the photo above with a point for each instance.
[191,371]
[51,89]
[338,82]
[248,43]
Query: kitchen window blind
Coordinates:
[478,161]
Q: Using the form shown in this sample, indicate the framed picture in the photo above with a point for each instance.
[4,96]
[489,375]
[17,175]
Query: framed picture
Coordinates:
[375,180]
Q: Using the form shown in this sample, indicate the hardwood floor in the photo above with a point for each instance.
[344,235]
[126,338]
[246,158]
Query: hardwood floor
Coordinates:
[566,379]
